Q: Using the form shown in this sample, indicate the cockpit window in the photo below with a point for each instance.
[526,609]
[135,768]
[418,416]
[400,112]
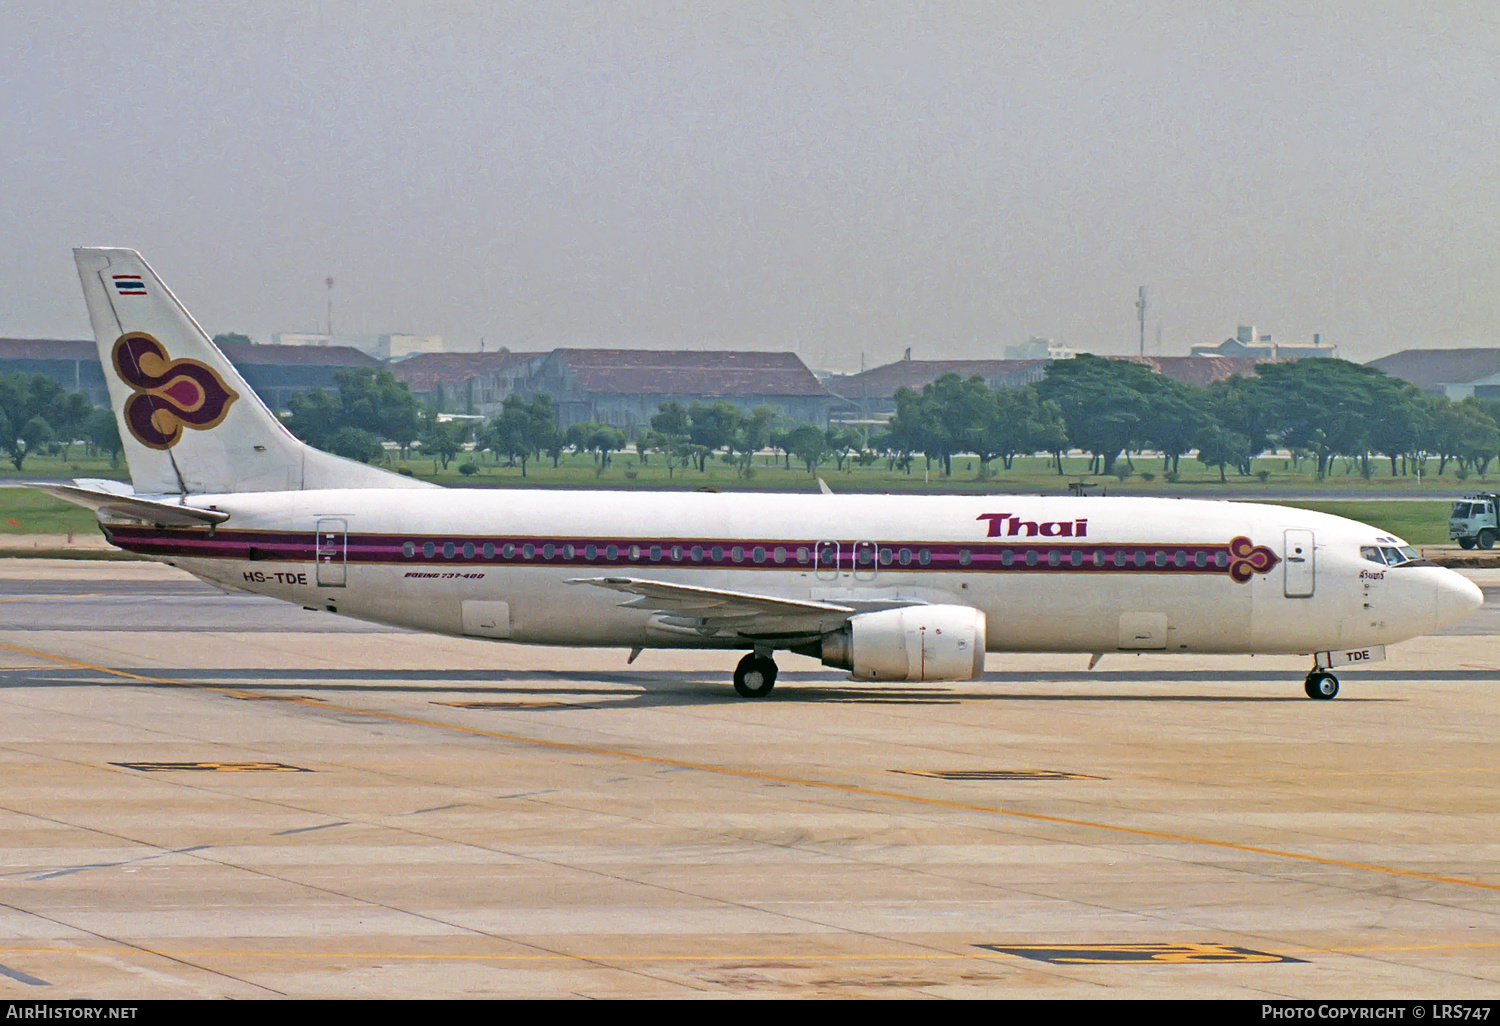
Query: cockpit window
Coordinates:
[1390,555]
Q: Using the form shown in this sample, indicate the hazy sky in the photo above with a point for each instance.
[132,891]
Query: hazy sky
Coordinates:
[830,178]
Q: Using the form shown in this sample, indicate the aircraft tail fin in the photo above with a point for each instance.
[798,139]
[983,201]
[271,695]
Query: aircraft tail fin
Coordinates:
[188,421]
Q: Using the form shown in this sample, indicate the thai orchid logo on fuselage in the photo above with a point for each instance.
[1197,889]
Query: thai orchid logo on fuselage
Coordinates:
[1249,559]
[169,394]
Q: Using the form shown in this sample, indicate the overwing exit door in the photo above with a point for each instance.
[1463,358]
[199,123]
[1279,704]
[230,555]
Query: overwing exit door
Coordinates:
[332,552]
[1297,558]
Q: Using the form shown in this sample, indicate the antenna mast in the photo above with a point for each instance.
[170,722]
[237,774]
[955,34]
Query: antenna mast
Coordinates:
[1140,308]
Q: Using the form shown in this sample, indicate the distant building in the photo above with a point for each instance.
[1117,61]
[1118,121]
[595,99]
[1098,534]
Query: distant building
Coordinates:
[73,365]
[625,387]
[1040,349]
[387,346]
[1456,373]
[1249,343]
[1191,370]
[274,372]
[467,383]
[871,394]
[279,372]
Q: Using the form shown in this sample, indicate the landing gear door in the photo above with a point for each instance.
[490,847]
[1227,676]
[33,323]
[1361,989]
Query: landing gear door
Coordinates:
[332,551]
[1297,558]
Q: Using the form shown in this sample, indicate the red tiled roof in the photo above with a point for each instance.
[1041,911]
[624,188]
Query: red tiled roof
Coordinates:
[425,371]
[690,372]
[1198,370]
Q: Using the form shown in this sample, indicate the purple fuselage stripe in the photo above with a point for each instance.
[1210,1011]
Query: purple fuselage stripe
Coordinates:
[714,554]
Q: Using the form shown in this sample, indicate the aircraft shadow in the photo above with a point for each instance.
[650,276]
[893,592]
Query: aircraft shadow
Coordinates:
[552,690]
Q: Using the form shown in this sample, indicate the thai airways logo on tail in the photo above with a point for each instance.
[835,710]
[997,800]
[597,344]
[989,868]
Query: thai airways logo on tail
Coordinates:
[168,394]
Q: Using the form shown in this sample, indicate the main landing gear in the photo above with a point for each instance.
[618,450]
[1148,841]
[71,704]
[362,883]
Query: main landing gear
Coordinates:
[755,676]
[1322,685]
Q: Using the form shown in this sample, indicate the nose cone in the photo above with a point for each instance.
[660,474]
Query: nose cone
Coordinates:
[1456,597]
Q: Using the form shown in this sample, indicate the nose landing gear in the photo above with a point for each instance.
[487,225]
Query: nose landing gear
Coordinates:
[755,676]
[1322,685]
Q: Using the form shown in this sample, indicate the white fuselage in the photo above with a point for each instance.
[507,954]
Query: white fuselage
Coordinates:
[1050,574]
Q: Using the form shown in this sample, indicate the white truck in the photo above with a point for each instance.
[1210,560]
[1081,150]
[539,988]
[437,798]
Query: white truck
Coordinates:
[1474,520]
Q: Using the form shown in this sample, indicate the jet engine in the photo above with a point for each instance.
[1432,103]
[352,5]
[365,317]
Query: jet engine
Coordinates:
[909,643]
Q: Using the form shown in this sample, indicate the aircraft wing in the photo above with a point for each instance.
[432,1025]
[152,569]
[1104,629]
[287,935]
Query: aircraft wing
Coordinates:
[713,611]
[132,507]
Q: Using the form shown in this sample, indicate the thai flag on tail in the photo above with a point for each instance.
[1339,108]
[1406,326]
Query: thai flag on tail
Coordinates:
[130,285]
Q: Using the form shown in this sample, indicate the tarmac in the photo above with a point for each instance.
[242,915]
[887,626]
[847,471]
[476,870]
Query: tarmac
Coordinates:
[207,795]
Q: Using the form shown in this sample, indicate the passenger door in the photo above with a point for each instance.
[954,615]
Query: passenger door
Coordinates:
[332,552]
[1297,557]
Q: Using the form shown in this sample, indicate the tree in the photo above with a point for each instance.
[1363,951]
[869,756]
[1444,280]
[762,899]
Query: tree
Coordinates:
[1022,422]
[102,431]
[443,439]
[670,428]
[844,443]
[233,338]
[1104,403]
[356,444]
[31,406]
[1328,407]
[524,427]
[1461,431]
[1218,447]
[599,439]
[1176,416]
[1243,406]
[713,428]
[368,399]
[809,445]
[752,435]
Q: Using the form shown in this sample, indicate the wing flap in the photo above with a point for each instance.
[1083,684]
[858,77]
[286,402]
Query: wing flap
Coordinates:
[715,610]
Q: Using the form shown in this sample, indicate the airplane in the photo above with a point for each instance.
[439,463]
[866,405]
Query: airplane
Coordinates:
[889,588]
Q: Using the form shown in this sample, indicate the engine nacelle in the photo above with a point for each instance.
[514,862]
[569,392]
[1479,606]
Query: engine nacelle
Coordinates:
[910,643]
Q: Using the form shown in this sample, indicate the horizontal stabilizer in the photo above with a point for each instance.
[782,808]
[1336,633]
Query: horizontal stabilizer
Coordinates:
[131,507]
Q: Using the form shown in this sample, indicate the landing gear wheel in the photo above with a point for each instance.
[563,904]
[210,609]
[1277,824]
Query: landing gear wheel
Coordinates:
[1486,539]
[755,676]
[1466,543]
[1322,685]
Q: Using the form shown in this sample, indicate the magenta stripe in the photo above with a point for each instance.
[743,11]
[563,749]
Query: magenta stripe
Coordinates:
[445,550]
